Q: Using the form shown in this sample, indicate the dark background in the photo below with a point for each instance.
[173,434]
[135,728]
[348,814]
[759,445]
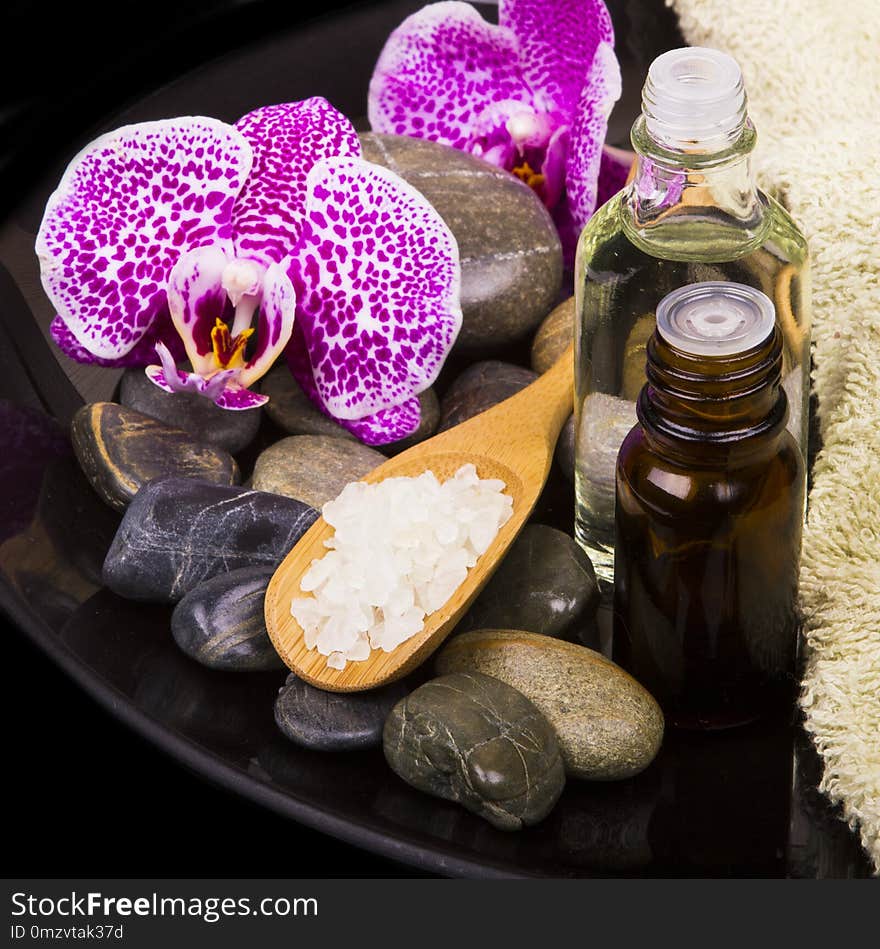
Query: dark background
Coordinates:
[65,65]
[127,810]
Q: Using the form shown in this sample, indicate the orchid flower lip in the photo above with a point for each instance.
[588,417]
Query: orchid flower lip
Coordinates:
[201,287]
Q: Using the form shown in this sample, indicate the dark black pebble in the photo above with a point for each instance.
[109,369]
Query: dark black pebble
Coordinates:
[479,387]
[179,532]
[334,721]
[221,623]
[545,584]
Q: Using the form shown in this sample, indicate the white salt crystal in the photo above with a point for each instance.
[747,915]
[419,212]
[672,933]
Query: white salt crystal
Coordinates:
[336,660]
[481,533]
[359,651]
[446,532]
[400,550]
[317,573]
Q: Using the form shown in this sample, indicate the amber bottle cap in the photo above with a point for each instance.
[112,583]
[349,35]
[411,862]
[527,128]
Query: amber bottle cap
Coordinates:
[715,318]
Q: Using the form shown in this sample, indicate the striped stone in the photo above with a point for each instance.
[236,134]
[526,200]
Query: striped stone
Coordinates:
[120,450]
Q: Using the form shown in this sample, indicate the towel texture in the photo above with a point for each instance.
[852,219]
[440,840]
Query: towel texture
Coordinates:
[812,73]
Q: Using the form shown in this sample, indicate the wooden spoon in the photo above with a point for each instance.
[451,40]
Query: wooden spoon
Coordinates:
[513,441]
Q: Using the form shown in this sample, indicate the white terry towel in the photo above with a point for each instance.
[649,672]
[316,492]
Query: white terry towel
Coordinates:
[812,73]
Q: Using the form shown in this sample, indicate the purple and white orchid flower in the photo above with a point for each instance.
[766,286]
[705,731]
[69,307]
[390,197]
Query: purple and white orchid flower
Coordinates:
[531,95]
[271,235]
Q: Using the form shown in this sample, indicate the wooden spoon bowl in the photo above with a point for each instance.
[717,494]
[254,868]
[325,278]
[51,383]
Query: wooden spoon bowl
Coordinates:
[514,442]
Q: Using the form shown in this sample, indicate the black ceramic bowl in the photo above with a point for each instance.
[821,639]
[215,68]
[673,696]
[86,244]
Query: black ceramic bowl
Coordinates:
[717,806]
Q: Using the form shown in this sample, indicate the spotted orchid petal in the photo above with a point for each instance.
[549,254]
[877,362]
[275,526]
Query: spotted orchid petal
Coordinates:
[377,281]
[126,208]
[197,299]
[439,70]
[557,44]
[601,90]
[274,323]
[286,139]
[141,354]
[388,425]
[236,399]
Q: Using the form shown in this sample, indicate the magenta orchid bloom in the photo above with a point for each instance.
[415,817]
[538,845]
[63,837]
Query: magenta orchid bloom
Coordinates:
[235,243]
[531,95]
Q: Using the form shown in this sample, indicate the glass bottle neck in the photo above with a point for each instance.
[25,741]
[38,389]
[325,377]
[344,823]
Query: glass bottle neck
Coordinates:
[700,202]
[728,402]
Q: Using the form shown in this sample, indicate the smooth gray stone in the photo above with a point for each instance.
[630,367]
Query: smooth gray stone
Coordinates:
[470,738]
[294,413]
[334,721]
[179,532]
[511,257]
[479,387]
[605,421]
[292,410]
[608,725]
[190,412]
[619,414]
[221,623]
[545,584]
[313,468]
[120,450]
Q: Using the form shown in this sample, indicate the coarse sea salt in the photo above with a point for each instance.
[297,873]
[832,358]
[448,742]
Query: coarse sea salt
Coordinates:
[400,549]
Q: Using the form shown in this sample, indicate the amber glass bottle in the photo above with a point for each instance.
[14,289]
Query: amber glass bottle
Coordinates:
[709,507]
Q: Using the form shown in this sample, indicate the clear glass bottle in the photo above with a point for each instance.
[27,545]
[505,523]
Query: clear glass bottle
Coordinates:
[691,213]
[710,490]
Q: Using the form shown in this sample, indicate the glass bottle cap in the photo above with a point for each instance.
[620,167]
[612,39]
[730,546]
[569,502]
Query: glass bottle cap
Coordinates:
[715,318]
[694,96]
